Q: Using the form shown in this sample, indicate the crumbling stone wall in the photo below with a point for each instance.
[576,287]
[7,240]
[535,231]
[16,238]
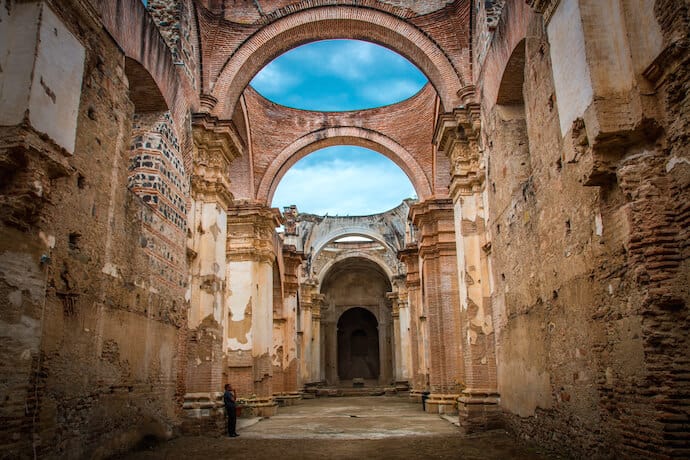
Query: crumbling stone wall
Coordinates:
[589,254]
[91,343]
[175,20]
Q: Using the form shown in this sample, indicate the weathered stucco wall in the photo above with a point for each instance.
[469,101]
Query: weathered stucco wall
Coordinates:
[86,327]
[576,233]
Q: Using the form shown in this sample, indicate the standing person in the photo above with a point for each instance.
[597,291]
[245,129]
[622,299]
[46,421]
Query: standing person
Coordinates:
[229,399]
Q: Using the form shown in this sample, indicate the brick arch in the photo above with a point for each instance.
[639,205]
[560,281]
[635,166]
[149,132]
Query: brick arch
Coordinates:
[349,135]
[510,89]
[512,30]
[334,22]
[143,89]
[137,35]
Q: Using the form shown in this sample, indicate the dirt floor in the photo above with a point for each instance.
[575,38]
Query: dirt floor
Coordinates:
[346,428]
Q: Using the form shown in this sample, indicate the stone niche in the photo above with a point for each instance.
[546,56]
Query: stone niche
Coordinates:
[41,69]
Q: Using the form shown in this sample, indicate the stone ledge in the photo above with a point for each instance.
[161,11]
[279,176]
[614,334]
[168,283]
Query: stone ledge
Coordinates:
[287,399]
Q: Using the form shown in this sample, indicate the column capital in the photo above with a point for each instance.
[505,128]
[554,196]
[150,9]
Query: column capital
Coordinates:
[317,301]
[410,257]
[251,232]
[434,219]
[457,135]
[216,145]
[394,302]
[307,290]
[292,259]
[462,123]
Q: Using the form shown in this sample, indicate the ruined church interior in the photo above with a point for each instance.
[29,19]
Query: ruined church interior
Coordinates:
[537,283]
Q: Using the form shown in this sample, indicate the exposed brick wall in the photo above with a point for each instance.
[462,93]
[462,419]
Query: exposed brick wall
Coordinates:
[275,128]
[157,176]
[601,281]
[89,363]
[237,51]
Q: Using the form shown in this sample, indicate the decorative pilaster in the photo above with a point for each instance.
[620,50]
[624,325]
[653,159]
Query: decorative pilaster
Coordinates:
[214,150]
[400,313]
[251,254]
[289,362]
[437,252]
[317,371]
[307,289]
[418,334]
[457,136]
[392,298]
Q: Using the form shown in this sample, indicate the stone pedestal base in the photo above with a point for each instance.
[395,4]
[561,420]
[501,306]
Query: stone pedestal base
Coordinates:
[438,403]
[259,407]
[416,395]
[287,399]
[479,411]
[203,413]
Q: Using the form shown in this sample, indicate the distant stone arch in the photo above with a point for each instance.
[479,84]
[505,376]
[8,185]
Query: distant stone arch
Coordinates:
[350,135]
[334,22]
[385,267]
[324,240]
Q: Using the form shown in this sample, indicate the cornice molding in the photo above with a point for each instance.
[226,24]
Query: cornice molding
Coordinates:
[251,227]
[216,145]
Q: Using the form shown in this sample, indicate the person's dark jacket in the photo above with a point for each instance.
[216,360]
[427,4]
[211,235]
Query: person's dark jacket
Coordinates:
[229,399]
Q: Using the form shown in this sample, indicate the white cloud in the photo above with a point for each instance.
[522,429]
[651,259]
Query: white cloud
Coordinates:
[389,91]
[273,80]
[353,59]
[343,188]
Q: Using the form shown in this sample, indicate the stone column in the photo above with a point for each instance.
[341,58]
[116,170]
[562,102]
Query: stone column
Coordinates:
[418,345]
[214,149]
[306,290]
[401,334]
[292,259]
[395,315]
[457,136]
[249,332]
[316,359]
[437,252]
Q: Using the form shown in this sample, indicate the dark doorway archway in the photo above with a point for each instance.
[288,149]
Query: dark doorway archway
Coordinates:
[358,345]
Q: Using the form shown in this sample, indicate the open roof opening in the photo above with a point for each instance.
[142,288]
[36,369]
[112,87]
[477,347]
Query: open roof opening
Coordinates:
[338,75]
[354,239]
[343,180]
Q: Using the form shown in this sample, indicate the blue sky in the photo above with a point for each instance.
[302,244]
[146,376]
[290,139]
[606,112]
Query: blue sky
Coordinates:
[343,180]
[337,75]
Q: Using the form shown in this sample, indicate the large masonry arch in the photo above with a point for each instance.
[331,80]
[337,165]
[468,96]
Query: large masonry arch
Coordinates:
[333,22]
[345,135]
